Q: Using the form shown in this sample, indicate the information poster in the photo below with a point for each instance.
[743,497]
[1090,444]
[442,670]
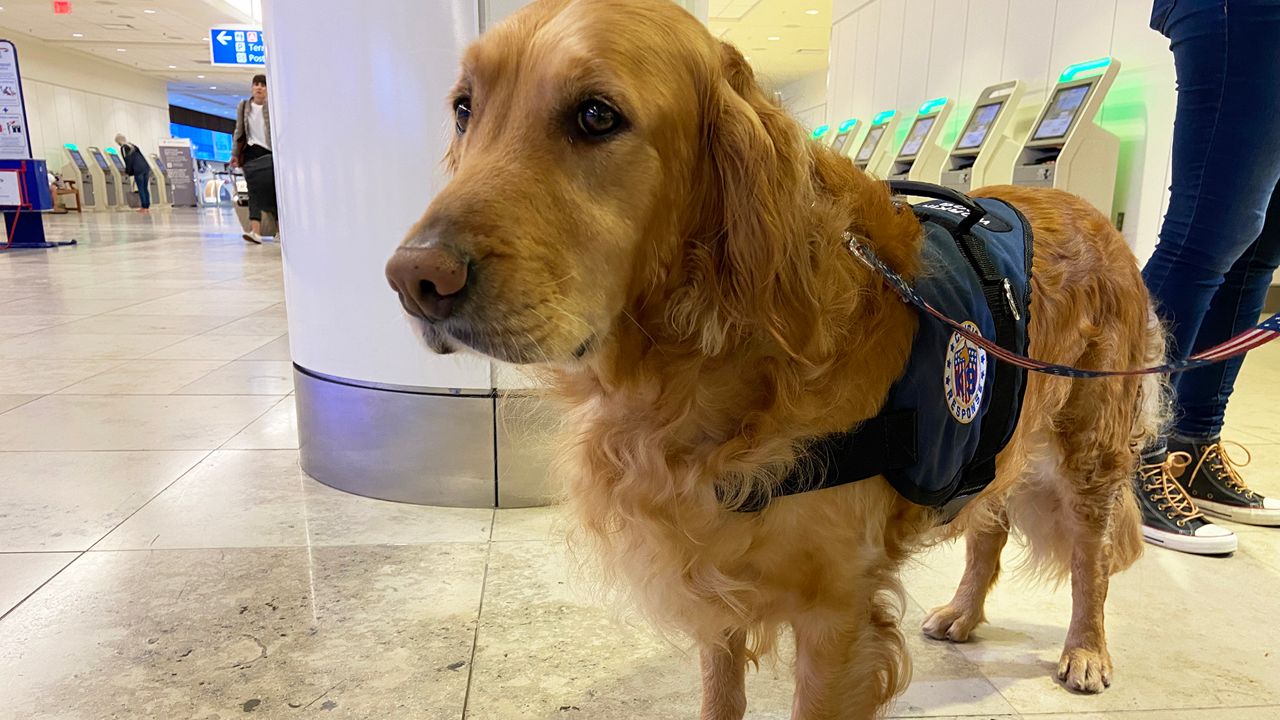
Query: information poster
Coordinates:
[14,142]
[181,167]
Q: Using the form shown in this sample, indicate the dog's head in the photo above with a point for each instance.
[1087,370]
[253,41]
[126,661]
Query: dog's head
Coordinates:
[610,159]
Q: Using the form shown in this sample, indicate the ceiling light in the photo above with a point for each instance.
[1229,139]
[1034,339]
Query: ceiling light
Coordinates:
[775,37]
[173,67]
[806,12]
[213,87]
[199,77]
[77,34]
[153,12]
[121,50]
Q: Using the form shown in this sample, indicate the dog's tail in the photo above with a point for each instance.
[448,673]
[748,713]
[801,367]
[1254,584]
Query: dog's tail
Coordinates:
[1150,423]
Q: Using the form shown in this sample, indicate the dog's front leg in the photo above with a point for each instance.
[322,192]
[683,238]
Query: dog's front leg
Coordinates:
[724,678]
[1086,665]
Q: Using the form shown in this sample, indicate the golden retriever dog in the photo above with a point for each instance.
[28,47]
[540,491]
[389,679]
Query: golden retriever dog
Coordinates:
[631,212]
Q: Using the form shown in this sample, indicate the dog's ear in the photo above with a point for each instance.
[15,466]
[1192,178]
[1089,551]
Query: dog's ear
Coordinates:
[759,187]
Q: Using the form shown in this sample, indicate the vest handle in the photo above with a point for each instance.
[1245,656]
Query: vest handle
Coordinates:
[938,192]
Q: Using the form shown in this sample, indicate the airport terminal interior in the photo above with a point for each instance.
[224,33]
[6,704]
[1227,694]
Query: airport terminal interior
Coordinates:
[235,483]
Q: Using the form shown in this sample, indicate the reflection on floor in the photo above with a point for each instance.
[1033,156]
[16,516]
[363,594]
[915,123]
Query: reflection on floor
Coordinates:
[162,556]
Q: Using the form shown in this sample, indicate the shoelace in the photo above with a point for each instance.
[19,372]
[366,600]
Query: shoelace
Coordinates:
[1218,459]
[1162,477]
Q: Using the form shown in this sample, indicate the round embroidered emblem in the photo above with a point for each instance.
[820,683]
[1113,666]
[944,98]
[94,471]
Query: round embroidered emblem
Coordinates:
[965,376]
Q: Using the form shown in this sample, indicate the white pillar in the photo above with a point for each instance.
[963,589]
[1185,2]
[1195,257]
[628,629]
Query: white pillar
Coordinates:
[359,125]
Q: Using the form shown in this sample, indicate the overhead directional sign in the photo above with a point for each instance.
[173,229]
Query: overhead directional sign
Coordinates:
[240,46]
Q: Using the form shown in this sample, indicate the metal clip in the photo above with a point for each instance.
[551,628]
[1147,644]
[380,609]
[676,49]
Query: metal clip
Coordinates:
[1013,303]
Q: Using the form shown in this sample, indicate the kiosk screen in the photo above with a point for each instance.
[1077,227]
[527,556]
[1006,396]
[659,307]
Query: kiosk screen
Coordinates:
[869,145]
[1062,110]
[975,133]
[841,140]
[102,162]
[78,159]
[915,139]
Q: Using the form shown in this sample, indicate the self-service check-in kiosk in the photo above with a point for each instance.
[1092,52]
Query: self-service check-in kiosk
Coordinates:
[873,154]
[159,182]
[92,191]
[1066,148]
[162,188]
[842,143]
[127,191]
[984,152]
[921,157]
[111,188]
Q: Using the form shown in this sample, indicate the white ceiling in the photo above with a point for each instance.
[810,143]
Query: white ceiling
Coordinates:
[170,43]
[175,34]
[802,42]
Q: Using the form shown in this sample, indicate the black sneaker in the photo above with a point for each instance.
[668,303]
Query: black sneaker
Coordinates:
[1170,517]
[1217,487]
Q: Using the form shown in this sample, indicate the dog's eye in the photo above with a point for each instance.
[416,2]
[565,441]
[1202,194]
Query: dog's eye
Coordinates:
[462,114]
[597,118]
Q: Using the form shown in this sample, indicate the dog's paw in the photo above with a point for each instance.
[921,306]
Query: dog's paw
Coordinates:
[1084,670]
[951,623]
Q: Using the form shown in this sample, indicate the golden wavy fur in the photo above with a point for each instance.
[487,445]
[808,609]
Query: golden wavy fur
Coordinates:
[684,281]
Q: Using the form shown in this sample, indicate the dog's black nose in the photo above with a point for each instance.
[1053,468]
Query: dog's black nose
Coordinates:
[429,280]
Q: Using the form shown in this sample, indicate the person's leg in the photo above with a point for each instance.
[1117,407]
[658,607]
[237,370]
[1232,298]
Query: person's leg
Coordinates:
[1237,306]
[251,153]
[144,191]
[1214,480]
[1226,157]
[1226,162]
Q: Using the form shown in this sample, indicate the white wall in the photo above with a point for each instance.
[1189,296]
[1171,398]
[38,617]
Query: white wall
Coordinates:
[806,98]
[895,54]
[75,98]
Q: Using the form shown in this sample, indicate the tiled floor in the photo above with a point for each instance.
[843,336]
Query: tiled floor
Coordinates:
[162,556]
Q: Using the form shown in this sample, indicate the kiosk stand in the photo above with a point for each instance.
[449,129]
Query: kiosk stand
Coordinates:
[843,141]
[1066,148]
[130,196]
[106,178]
[921,156]
[984,153]
[92,191]
[164,186]
[873,155]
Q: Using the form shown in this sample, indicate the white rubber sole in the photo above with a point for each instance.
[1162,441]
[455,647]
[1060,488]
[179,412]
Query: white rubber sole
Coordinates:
[1193,545]
[1247,516]
[251,239]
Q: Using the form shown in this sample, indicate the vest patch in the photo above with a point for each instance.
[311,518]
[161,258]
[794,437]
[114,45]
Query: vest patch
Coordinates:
[965,376]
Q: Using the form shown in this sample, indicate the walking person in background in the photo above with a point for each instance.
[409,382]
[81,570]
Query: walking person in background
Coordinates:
[1219,246]
[137,167]
[252,141]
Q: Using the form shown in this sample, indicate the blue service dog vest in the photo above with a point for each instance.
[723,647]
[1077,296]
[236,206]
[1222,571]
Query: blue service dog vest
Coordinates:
[955,407]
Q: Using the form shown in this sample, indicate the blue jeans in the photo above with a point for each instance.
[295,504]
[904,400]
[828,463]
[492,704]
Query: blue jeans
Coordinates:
[1220,242]
[143,181]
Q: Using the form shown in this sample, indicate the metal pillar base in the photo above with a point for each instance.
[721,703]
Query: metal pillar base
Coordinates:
[422,446]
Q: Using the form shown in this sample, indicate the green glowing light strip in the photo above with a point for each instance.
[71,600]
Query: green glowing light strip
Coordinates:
[883,117]
[820,131]
[847,124]
[1075,71]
